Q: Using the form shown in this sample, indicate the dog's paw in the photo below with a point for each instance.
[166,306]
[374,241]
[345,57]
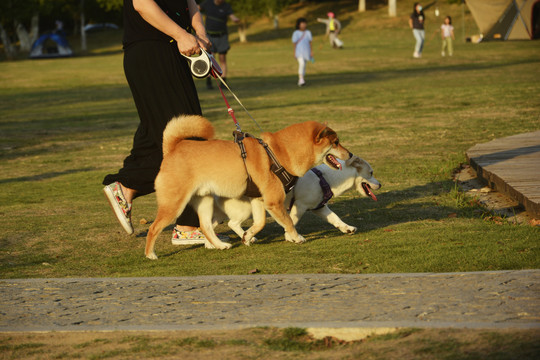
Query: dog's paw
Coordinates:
[223,246]
[152,256]
[348,229]
[298,240]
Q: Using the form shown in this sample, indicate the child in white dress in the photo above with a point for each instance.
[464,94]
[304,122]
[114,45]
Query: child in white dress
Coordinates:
[302,39]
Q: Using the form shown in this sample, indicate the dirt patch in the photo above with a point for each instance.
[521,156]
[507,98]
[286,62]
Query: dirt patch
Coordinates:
[492,200]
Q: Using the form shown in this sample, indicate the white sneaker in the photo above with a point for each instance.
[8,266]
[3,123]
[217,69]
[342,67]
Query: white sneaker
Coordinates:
[417,55]
[443,54]
[120,206]
[301,82]
[194,237]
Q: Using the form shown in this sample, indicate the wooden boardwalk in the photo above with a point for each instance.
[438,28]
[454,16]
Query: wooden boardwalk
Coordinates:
[511,166]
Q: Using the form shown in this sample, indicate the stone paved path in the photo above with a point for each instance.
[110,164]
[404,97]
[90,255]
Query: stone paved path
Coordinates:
[478,300]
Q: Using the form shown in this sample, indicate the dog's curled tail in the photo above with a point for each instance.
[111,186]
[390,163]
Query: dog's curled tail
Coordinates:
[184,127]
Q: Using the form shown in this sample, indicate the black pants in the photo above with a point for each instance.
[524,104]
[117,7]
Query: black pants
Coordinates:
[162,88]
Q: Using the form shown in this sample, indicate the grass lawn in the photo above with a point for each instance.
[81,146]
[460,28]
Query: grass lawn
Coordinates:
[66,123]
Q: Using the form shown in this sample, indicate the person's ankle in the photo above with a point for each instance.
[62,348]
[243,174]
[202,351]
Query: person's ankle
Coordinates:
[186,228]
[129,194]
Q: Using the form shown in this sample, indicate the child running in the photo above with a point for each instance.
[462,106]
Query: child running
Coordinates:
[301,39]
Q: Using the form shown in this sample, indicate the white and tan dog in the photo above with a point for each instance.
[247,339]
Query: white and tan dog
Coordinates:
[308,194]
[196,168]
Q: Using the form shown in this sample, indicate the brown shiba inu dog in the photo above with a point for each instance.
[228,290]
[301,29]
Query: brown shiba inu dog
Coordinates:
[193,171]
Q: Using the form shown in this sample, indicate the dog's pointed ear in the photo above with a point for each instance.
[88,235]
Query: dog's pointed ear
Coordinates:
[355,162]
[325,132]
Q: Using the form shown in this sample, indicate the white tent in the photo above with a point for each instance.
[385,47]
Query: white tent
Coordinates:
[506,19]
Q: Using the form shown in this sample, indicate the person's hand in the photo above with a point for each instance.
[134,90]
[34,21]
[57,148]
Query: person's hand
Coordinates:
[188,45]
[204,42]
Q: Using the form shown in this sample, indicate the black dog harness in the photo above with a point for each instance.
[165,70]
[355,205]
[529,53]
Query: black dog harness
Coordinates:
[325,187]
[287,179]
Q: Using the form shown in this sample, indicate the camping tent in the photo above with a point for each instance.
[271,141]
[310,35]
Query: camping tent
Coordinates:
[506,19]
[50,45]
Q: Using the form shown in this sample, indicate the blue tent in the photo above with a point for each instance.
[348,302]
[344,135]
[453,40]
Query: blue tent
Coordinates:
[60,46]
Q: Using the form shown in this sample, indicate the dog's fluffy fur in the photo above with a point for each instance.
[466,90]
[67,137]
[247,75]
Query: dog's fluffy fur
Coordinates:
[356,173]
[193,171]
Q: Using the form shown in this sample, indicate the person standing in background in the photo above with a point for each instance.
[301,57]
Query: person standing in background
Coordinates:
[447,34]
[416,23]
[303,52]
[217,13]
[333,28]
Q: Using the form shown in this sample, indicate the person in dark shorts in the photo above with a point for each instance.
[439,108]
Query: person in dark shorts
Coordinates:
[156,32]
[217,13]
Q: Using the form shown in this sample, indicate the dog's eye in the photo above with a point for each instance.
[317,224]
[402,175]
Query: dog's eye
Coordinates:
[336,142]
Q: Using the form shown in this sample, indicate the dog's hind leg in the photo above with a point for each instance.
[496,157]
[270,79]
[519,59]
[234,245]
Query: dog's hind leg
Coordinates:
[326,214]
[259,220]
[165,216]
[204,206]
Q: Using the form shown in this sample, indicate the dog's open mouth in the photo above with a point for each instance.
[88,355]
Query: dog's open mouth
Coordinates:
[368,191]
[331,161]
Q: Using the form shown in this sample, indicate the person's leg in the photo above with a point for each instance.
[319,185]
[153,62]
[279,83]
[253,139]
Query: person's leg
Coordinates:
[169,92]
[450,44]
[301,70]
[422,38]
[418,45]
[223,64]
[332,37]
[443,47]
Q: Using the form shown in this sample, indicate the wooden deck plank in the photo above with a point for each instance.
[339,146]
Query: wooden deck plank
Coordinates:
[511,166]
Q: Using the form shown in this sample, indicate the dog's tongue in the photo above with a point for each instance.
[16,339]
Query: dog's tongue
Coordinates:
[368,191]
[333,161]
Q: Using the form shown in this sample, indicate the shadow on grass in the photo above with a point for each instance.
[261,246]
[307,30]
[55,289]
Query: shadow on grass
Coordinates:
[45,176]
[394,207]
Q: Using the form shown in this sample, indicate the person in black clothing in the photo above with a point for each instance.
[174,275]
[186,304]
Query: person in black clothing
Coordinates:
[416,23]
[156,32]
[217,13]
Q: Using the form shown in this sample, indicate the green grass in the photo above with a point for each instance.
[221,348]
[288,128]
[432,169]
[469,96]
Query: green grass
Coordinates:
[65,123]
[272,343]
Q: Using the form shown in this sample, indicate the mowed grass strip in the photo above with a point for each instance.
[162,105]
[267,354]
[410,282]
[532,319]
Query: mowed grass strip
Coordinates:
[65,123]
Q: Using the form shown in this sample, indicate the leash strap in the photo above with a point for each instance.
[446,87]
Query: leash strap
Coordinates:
[218,79]
[230,111]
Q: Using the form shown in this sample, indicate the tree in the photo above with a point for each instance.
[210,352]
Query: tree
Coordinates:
[361,5]
[392,8]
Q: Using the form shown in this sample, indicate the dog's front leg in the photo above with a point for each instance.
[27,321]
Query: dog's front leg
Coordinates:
[326,214]
[204,206]
[259,220]
[278,212]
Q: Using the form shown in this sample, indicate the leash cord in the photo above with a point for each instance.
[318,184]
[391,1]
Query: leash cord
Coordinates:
[230,110]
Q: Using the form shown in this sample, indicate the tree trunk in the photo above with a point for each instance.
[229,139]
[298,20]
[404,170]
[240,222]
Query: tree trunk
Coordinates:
[83,32]
[24,38]
[392,8]
[361,5]
[34,29]
[8,46]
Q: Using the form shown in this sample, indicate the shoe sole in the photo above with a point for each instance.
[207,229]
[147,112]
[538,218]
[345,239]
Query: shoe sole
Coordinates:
[188,242]
[117,211]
